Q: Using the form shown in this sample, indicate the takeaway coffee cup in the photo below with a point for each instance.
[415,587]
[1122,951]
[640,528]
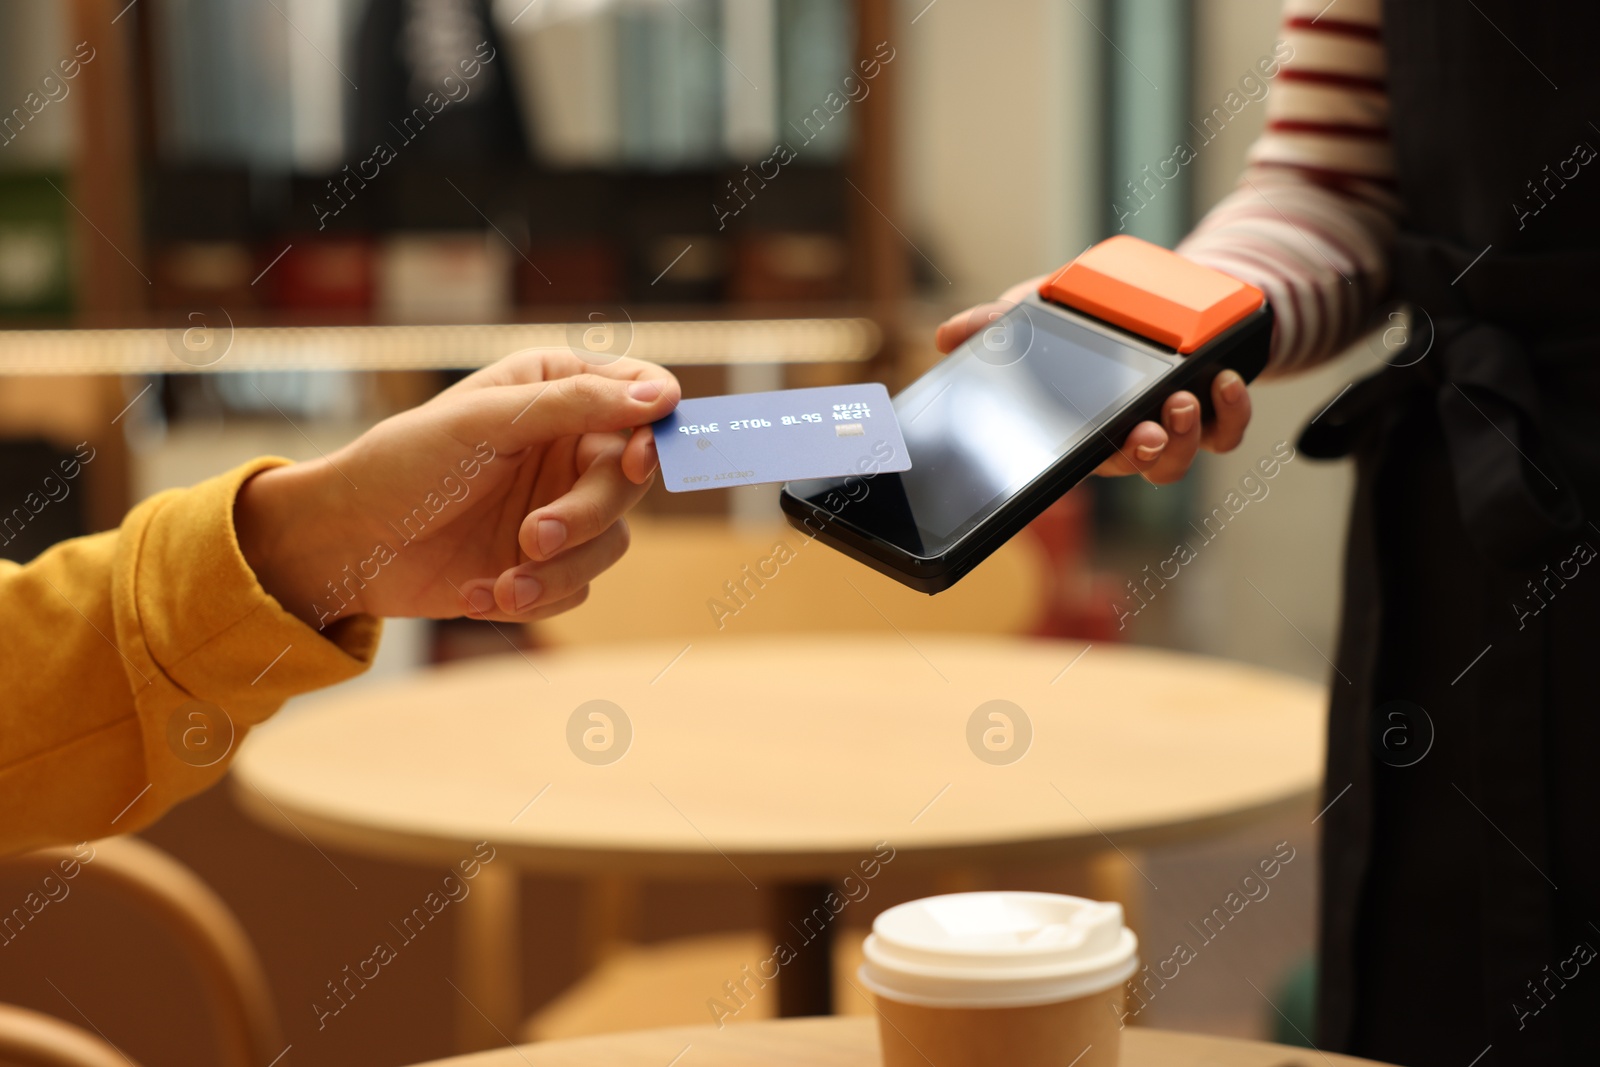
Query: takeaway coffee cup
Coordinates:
[1022,979]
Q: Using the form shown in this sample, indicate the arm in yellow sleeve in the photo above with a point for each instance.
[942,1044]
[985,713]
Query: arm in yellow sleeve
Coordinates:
[110,645]
[109,642]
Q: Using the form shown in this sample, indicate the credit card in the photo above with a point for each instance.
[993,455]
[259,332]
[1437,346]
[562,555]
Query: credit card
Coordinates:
[712,442]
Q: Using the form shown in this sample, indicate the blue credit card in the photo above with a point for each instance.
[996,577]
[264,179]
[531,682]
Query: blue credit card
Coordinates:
[712,442]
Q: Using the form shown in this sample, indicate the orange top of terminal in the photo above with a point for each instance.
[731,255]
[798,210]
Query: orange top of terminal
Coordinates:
[1152,292]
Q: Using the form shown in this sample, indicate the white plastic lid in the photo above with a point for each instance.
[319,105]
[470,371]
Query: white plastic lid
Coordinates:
[997,950]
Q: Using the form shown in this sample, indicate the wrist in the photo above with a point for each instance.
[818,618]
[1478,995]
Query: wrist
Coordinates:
[284,520]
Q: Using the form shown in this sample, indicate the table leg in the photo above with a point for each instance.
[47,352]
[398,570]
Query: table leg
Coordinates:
[798,915]
[489,960]
[1113,877]
[610,918]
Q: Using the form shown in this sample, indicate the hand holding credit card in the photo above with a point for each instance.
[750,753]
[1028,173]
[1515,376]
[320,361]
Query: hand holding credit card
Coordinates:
[713,442]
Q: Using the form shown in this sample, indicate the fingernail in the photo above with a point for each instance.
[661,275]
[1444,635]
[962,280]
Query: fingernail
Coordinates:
[1232,387]
[1149,452]
[552,535]
[481,600]
[1183,419]
[525,591]
[644,391]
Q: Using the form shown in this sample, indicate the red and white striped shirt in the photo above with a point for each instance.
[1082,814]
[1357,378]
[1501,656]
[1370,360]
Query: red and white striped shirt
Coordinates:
[1315,212]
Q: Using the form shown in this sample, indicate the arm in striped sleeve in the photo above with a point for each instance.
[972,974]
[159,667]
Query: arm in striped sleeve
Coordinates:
[1314,214]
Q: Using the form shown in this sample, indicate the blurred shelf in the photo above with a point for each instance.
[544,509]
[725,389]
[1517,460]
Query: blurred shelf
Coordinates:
[430,347]
[523,315]
[143,206]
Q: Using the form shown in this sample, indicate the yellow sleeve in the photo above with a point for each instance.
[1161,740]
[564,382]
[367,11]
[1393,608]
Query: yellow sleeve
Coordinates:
[130,657]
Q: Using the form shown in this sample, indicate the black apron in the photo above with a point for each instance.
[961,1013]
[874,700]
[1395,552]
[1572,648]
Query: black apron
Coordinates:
[1461,879]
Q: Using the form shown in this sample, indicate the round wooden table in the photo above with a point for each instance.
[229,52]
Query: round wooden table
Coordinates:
[786,763]
[854,1043]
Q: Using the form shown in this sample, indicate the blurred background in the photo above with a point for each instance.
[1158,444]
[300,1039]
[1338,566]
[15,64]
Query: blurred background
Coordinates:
[235,227]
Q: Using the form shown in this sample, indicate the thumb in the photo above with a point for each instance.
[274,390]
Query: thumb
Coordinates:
[514,417]
[964,324]
[959,327]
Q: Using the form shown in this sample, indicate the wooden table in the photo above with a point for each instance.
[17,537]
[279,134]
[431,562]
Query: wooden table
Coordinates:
[782,763]
[854,1043]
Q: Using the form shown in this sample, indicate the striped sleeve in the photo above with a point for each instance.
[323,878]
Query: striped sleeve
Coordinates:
[1314,214]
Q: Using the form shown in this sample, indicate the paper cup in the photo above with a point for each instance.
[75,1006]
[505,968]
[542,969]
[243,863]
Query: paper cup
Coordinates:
[1023,979]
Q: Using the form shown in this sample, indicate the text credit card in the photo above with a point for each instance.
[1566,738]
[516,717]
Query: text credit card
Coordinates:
[712,442]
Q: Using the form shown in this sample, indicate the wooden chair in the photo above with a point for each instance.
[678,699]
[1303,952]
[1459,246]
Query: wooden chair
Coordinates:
[33,1039]
[209,934]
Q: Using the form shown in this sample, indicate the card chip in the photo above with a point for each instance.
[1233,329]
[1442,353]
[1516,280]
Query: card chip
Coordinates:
[849,429]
